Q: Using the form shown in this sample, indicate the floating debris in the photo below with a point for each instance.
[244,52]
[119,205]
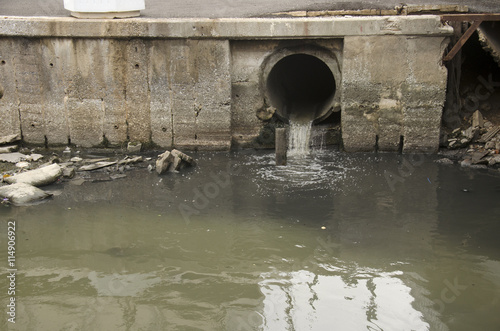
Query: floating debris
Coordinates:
[97,165]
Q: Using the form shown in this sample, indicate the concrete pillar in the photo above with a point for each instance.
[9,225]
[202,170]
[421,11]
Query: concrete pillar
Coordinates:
[281,146]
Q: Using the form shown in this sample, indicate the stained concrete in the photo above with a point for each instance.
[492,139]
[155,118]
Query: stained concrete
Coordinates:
[234,8]
[392,93]
[199,83]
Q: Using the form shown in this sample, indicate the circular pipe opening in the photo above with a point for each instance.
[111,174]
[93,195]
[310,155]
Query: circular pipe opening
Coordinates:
[301,87]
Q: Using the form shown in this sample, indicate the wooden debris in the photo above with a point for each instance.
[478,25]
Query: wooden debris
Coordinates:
[490,134]
[97,165]
[131,160]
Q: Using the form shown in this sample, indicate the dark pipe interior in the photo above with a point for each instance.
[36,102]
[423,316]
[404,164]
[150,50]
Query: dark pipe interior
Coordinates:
[301,85]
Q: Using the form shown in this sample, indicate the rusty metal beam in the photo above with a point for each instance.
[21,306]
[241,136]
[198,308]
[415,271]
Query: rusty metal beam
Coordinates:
[462,40]
[469,17]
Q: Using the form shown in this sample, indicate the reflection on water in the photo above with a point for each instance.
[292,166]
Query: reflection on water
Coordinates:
[304,300]
[238,244]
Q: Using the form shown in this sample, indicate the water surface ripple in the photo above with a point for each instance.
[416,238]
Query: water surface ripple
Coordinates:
[330,242]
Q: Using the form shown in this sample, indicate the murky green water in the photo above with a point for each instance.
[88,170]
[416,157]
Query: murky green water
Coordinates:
[329,243]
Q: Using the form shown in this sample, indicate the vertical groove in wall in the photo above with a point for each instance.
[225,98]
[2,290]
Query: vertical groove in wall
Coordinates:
[401,144]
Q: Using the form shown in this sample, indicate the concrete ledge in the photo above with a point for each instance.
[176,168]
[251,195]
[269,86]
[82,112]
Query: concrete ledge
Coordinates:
[106,15]
[228,28]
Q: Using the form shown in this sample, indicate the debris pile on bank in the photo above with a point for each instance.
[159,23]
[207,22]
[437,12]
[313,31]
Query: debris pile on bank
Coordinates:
[480,142]
[22,174]
[173,161]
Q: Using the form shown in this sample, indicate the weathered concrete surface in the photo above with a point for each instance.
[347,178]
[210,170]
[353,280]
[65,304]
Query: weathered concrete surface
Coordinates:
[249,65]
[198,84]
[108,91]
[393,88]
[224,28]
[233,8]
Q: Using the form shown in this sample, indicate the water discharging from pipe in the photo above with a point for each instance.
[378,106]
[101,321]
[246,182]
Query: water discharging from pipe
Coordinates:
[299,138]
[299,134]
[302,89]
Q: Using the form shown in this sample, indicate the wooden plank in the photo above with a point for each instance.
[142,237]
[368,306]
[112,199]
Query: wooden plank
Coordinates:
[462,40]
[490,134]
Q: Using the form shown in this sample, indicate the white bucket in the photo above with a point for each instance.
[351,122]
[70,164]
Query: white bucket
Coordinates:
[104,8]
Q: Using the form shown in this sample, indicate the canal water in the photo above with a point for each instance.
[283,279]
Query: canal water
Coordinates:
[330,242]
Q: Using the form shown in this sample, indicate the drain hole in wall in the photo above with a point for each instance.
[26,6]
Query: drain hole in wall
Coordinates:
[301,85]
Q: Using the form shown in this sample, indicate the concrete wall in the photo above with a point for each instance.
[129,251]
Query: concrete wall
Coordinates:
[94,90]
[393,92]
[197,84]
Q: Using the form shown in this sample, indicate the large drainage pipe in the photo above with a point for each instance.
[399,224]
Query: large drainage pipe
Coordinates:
[302,84]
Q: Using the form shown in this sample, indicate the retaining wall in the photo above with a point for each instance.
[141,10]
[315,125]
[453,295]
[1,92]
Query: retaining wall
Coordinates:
[197,83]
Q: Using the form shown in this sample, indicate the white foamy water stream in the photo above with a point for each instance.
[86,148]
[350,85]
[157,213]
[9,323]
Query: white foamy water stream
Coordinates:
[299,138]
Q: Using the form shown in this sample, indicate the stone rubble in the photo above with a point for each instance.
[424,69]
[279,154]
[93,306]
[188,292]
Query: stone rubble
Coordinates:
[12,157]
[8,149]
[23,164]
[480,141]
[25,170]
[173,161]
[13,138]
[134,147]
[164,161]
